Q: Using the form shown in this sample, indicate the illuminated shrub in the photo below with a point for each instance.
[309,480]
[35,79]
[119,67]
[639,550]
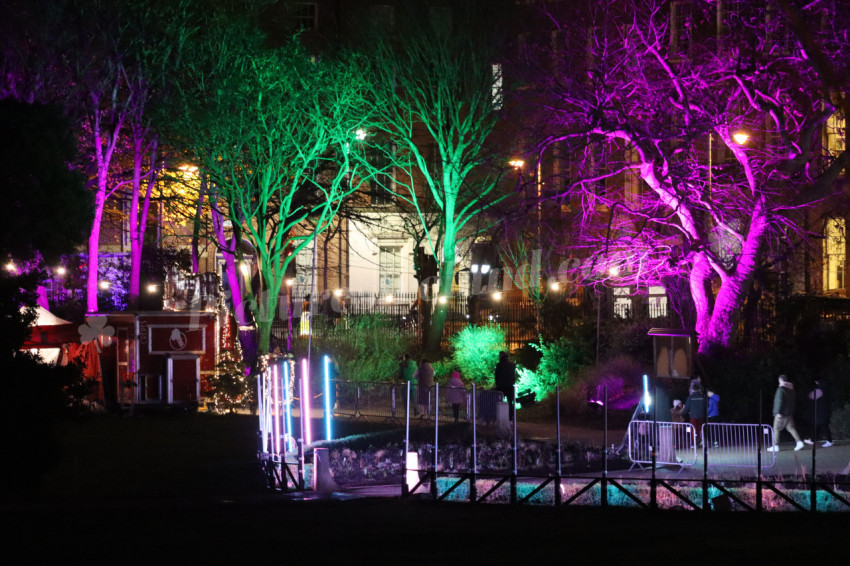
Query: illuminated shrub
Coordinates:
[476,351]
[559,361]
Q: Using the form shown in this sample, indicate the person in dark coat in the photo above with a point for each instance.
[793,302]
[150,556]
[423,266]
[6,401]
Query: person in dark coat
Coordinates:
[695,410]
[506,379]
[820,414]
[784,403]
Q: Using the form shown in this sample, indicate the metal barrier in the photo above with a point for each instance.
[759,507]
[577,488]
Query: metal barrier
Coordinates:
[375,400]
[673,443]
[738,445]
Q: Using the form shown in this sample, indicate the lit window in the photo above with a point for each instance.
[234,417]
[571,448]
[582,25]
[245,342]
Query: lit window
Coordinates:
[657,301]
[389,270]
[834,254]
[836,129]
[623,302]
[497,95]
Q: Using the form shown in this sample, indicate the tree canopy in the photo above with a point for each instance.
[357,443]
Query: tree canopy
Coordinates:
[651,99]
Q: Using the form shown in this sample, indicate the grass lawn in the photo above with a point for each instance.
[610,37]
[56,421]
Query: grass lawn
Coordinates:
[157,455]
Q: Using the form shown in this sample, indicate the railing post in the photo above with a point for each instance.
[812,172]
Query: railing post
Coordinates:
[473,489]
[653,488]
[706,506]
[558,431]
[813,495]
[761,443]
[604,487]
[404,488]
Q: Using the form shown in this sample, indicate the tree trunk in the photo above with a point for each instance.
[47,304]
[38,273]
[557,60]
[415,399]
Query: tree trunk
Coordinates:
[438,320]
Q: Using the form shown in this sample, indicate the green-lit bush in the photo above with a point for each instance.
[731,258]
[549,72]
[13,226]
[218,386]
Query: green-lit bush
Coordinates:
[476,351]
[559,361]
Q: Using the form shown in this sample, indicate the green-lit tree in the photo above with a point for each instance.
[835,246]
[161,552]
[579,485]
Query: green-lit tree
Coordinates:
[436,83]
[275,131]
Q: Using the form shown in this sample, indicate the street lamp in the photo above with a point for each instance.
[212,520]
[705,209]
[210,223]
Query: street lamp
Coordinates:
[740,137]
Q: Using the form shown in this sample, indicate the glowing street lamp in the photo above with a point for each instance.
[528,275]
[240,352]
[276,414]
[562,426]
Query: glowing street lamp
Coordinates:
[151,288]
[497,296]
[104,285]
[555,286]
[516,163]
[442,300]
[740,137]
[60,271]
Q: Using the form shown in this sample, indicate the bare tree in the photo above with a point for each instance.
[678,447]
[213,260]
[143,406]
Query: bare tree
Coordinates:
[264,123]
[698,136]
[436,110]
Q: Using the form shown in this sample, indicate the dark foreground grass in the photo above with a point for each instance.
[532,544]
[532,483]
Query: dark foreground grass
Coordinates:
[184,489]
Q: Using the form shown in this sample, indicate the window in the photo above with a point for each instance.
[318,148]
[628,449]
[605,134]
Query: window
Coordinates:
[389,270]
[623,302]
[497,95]
[382,182]
[836,129]
[305,15]
[680,24]
[657,301]
[834,254]
[441,18]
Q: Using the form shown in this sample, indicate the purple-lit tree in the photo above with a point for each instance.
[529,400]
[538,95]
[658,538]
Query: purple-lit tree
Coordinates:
[653,99]
[105,62]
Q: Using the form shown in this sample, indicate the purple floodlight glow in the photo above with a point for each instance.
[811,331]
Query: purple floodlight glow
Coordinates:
[276,413]
[327,381]
[305,402]
[287,399]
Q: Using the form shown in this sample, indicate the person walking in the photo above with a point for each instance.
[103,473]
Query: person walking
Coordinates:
[455,393]
[424,377]
[784,403]
[713,415]
[694,412]
[506,380]
[821,409]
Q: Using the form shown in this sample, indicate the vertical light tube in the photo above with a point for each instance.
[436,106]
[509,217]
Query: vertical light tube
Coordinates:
[328,406]
[276,413]
[287,399]
[305,402]
[646,397]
